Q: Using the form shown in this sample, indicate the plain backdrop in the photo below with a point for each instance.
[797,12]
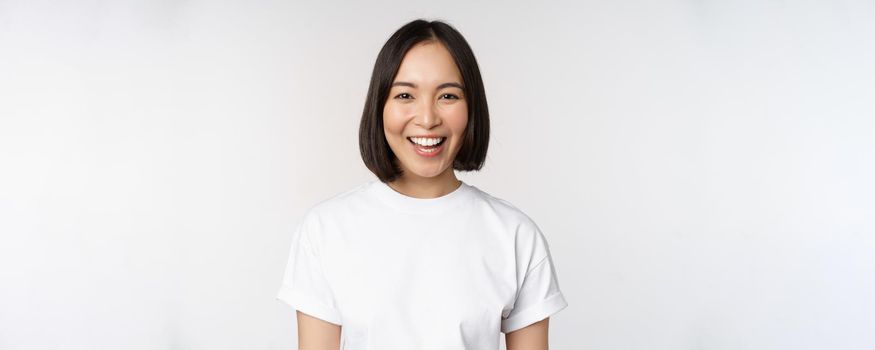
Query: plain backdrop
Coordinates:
[702,170]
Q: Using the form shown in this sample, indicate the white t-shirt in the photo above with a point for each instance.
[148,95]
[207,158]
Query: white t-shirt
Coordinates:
[398,272]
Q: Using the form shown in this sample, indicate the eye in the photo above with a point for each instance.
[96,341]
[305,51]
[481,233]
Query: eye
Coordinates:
[450,96]
[403,96]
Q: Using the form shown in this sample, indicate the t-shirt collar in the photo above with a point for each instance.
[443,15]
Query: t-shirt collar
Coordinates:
[419,205]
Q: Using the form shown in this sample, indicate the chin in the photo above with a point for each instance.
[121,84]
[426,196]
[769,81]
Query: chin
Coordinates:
[427,173]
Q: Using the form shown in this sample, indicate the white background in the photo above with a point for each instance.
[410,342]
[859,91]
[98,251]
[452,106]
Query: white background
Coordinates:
[702,169]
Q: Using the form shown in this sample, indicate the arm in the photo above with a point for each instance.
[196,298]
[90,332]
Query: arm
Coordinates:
[316,334]
[531,337]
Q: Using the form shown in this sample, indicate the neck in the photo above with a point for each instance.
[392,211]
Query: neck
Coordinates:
[416,186]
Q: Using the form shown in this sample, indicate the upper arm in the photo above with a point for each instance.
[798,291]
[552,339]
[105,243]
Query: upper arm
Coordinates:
[316,334]
[305,287]
[538,294]
[531,337]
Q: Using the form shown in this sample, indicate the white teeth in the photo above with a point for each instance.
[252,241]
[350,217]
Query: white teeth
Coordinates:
[424,141]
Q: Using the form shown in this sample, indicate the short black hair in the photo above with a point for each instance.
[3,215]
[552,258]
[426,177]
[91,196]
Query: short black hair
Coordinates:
[375,150]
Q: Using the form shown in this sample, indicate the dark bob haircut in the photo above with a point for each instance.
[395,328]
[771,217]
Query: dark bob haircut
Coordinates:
[375,150]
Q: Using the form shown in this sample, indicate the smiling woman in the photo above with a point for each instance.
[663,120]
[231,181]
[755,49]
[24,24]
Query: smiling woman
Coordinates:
[426,115]
[425,82]
[417,258]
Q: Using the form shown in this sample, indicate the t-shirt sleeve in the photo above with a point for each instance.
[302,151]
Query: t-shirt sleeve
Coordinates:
[304,285]
[538,294]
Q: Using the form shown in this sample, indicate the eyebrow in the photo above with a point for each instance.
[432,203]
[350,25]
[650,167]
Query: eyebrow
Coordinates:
[441,86]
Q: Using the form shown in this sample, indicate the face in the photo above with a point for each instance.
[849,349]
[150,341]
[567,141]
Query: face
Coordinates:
[426,113]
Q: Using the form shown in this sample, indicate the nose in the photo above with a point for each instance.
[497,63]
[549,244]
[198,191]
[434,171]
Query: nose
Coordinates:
[427,115]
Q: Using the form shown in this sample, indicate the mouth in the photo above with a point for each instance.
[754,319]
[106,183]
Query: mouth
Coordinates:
[427,146]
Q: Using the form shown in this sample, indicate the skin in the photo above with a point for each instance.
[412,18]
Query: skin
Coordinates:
[427,97]
[317,334]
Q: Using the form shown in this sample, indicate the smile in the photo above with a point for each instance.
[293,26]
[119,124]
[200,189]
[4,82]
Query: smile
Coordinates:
[427,146]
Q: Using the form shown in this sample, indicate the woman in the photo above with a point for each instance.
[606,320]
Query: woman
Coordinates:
[417,259]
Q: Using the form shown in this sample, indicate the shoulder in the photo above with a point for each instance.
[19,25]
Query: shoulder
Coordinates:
[335,204]
[530,244]
[505,210]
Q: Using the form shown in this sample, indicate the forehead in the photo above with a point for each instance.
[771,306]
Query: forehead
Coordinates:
[428,63]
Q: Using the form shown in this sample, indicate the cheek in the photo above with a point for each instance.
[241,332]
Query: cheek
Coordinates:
[458,119]
[393,121]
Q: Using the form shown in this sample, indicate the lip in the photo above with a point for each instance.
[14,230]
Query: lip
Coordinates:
[428,136]
[418,150]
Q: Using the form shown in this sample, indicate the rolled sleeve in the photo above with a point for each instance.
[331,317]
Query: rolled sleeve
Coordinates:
[304,285]
[539,295]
